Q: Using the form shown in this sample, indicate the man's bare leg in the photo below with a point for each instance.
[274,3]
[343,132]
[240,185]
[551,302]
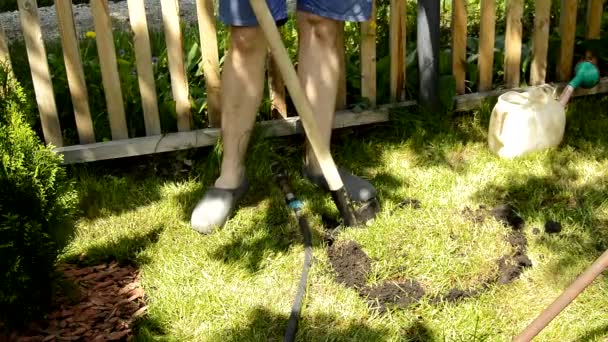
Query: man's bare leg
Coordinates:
[242,90]
[319,71]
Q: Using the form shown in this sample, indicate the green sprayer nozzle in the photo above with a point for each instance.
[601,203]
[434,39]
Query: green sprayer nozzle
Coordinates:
[587,75]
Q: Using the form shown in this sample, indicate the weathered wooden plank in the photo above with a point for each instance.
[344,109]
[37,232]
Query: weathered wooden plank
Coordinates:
[515,10]
[459,43]
[487,28]
[179,82]
[41,77]
[398,17]
[210,59]
[139,146]
[594,19]
[368,57]
[343,119]
[567,32]
[538,70]
[145,70]
[472,101]
[5,57]
[203,137]
[75,72]
[109,69]
[290,126]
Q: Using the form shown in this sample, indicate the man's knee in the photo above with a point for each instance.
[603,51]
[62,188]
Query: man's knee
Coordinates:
[323,29]
[247,40]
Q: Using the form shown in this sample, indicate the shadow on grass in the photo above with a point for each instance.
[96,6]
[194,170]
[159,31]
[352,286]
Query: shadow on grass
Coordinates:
[587,124]
[565,194]
[104,188]
[271,230]
[126,250]
[361,151]
[594,334]
[149,329]
[431,134]
[264,325]
[120,185]
[259,240]
[548,198]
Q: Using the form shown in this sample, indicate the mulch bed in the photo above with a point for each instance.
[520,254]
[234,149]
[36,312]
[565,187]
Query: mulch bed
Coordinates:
[106,302]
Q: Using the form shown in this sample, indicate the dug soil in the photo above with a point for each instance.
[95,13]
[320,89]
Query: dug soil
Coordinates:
[350,262]
[352,265]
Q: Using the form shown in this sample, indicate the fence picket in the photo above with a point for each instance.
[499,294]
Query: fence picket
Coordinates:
[179,82]
[459,44]
[276,87]
[75,72]
[5,58]
[368,57]
[515,9]
[594,19]
[210,59]
[109,69]
[487,28]
[41,77]
[538,69]
[145,70]
[567,31]
[397,34]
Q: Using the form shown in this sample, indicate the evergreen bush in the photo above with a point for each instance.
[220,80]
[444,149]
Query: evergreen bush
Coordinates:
[36,200]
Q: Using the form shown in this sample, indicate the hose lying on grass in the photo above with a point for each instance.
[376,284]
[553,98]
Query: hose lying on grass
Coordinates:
[296,205]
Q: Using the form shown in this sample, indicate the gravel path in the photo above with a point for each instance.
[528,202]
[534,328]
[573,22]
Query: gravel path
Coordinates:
[84,21]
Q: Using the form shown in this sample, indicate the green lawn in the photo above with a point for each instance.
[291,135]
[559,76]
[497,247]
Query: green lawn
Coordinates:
[238,284]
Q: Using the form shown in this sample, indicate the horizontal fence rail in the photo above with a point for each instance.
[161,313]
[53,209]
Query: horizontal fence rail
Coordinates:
[124,144]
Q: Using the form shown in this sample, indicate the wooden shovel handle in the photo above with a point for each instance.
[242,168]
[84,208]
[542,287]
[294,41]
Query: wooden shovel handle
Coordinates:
[564,299]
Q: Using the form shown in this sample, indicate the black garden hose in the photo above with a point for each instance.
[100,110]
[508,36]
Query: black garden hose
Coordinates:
[296,205]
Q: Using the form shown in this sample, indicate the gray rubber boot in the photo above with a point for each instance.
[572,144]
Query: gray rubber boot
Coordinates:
[357,188]
[216,206]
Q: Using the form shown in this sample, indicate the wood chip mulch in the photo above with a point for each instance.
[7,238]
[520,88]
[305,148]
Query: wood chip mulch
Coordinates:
[109,299]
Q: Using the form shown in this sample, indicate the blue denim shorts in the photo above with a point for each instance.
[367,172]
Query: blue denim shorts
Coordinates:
[240,13]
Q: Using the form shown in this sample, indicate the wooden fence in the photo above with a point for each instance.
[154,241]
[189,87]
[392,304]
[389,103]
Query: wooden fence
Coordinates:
[122,145]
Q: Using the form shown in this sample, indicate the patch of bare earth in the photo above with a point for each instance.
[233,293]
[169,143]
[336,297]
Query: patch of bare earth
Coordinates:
[352,265]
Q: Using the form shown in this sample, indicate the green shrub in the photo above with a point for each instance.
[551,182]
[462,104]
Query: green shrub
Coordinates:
[36,199]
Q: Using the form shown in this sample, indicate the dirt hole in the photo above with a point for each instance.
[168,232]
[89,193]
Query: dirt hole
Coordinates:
[350,263]
[352,266]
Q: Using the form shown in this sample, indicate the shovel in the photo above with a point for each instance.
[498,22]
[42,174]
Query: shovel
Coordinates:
[330,172]
[561,302]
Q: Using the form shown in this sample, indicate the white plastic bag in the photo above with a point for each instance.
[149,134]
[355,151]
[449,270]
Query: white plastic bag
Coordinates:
[524,122]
